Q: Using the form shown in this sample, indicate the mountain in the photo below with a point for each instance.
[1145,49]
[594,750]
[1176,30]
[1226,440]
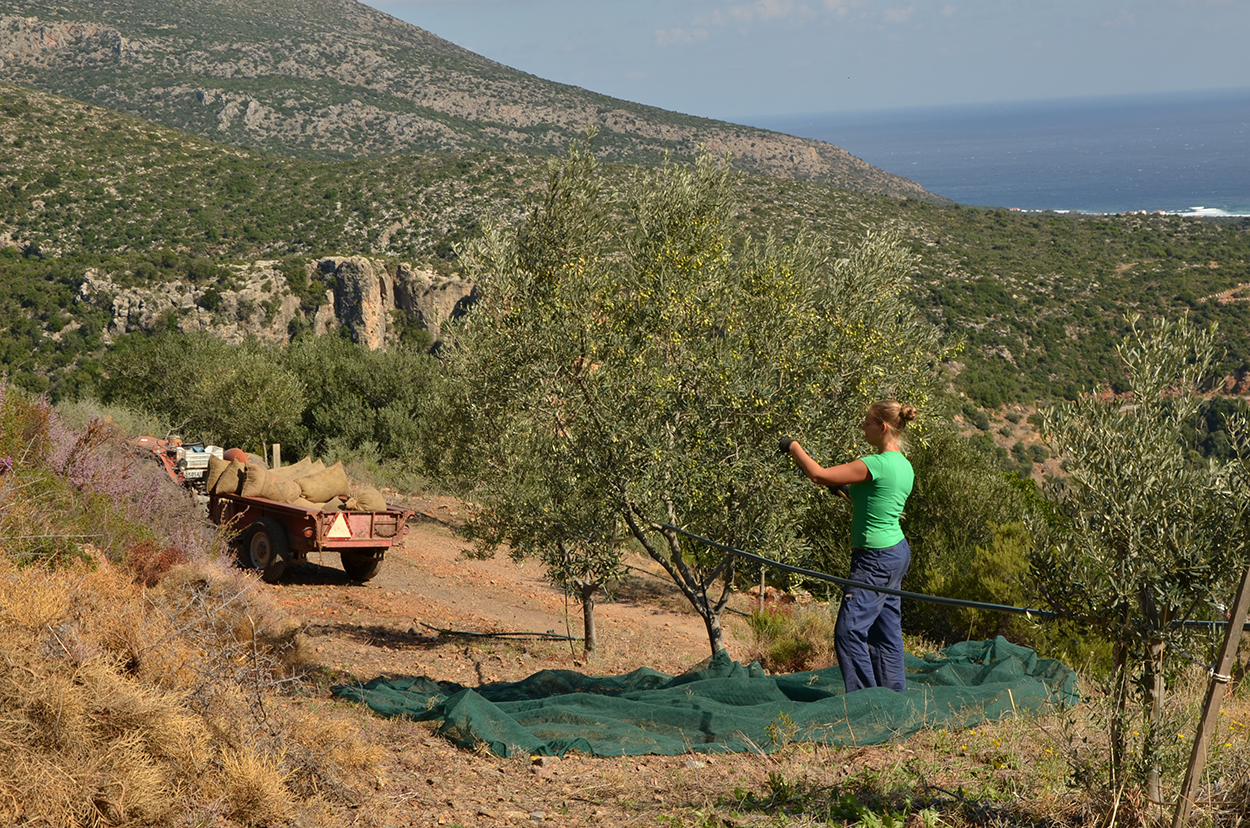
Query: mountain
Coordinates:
[110,223]
[335,79]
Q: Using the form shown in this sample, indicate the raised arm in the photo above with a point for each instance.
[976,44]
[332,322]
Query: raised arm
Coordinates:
[853,472]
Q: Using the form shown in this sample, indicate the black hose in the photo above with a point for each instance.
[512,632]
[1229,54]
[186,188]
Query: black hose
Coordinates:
[531,635]
[1046,615]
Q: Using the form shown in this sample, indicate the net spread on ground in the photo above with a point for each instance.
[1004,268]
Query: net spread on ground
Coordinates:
[725,706]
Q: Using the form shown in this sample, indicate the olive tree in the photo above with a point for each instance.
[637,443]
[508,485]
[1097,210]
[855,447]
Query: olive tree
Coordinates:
[1148,539]
[630,366]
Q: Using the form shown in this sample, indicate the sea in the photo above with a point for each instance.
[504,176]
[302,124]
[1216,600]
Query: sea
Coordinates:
[1184,153]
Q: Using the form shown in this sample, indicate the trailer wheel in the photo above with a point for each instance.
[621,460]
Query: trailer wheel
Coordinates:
[264,548]
[362,565]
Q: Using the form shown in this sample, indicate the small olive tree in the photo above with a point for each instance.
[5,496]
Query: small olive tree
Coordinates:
[1149,539]
[629,366]
[548,509]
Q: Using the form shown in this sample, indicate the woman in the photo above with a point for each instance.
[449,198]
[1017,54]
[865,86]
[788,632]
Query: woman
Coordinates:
[869,634]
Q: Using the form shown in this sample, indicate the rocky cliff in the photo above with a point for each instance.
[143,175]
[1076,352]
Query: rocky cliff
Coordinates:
[373,301]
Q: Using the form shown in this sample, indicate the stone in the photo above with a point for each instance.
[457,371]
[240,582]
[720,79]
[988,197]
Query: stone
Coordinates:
[362,298]
[431,299]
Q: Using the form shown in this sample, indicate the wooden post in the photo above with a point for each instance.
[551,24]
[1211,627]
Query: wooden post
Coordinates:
[277,455]
[1211,707]
[761,589]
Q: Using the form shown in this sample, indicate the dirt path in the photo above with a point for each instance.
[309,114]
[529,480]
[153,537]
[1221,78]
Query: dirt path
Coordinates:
[361,631]
[384,627]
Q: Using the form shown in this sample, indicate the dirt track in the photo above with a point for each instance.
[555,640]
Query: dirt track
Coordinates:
[360,631]
[377,628]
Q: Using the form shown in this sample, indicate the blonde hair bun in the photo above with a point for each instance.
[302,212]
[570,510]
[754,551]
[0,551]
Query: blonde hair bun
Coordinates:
[895,415]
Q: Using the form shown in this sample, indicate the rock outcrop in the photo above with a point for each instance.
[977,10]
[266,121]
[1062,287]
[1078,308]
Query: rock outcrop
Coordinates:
[362,295]
[431,300]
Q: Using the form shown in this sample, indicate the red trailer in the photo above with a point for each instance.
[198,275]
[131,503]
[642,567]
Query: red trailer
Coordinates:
[270,534]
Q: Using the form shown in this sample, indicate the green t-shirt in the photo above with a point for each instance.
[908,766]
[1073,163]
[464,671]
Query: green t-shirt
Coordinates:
[878,502]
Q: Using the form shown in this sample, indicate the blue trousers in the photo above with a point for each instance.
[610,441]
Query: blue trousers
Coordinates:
[869,634]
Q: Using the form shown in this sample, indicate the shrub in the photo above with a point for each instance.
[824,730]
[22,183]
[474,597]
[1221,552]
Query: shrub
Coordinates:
[362,401]
[68,491]
[149,561]
[236,395]
[789,638]
[960,508]
[210,300]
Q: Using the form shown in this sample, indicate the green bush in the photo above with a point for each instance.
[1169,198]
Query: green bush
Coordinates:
[364,401]
[960,513]
[232,395]
[789,638]
[323,396]
[997,573]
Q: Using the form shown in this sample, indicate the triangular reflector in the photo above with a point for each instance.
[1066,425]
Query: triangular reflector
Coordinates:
[339,529]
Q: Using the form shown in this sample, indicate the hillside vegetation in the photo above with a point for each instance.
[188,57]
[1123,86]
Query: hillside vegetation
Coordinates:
[1038,299]
[145,676]
[335,79]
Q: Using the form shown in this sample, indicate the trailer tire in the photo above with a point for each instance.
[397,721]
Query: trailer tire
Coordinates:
[362,565]
[264,548]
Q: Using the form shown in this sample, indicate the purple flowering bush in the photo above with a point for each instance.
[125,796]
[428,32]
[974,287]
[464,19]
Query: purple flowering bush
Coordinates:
[65,492]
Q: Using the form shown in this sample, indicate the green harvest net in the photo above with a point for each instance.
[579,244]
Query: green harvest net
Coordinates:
[724,706]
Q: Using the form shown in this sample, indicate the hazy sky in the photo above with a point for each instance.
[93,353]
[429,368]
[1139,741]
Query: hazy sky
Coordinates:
[734,60]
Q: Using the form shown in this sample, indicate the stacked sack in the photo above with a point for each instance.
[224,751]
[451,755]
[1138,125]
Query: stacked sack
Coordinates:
[308,483]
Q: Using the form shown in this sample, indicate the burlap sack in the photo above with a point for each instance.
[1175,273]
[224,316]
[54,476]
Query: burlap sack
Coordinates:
[323,485]
[230,480]
[306,503]
[332,505]
[367,499]
[293,471]
[215,467]
[312,468]
[283,491]
[254,476]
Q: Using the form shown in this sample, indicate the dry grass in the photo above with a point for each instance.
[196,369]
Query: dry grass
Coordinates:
[143,680]
[125,705]
[133,706]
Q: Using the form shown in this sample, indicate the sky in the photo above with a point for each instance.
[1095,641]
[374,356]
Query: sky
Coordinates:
[748,61]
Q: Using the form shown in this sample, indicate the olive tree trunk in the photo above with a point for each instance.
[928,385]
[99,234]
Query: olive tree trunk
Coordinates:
[698,584]
[590,641]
